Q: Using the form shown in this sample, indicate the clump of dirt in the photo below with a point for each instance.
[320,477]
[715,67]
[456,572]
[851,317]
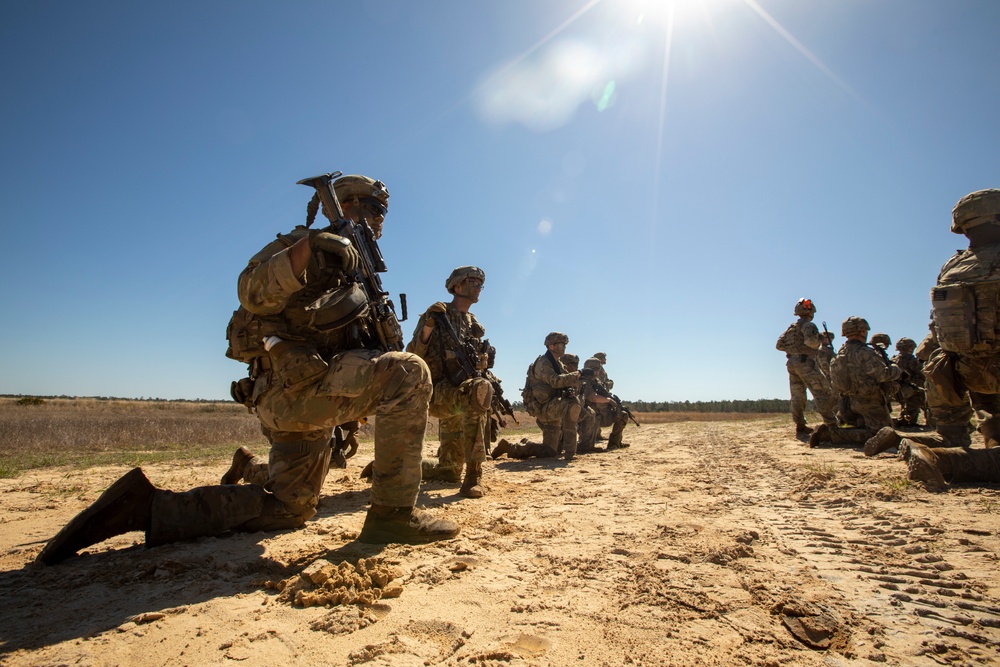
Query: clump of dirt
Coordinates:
[323,583]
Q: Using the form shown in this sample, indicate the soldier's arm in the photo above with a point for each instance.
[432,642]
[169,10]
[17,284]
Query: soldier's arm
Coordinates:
[873,365]
[810,335]
[548,375]
[271,278]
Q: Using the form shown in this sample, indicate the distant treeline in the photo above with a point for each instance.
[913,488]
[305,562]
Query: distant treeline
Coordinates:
[759,405]
[120,398]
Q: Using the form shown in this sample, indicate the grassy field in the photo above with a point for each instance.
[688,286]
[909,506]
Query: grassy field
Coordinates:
[86,432]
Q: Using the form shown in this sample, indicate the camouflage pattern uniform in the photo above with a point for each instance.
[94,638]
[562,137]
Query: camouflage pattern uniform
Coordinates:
[911,389]
[966,322]
[602,374]
[608,413]
[463,410]
[800,343]
[860,372]
[586,428]
[308,373]
[550,396]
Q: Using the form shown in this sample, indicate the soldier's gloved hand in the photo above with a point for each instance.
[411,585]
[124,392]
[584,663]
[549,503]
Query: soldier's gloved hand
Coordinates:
[429,319]
[337,246]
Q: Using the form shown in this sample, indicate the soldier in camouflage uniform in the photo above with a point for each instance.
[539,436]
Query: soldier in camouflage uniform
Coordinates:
[800,343]
[607,411]
[587,428]
[550,396]
[602,374]
[461,402]
[859,372]
[966,322]
[300,324]
[912,385]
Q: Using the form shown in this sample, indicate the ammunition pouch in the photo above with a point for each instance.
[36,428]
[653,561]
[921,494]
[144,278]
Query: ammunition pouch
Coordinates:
[337,307]
[296,364]
[966,317]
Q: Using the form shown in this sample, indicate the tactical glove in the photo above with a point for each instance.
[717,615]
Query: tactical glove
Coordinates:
[337,246]
[429,319]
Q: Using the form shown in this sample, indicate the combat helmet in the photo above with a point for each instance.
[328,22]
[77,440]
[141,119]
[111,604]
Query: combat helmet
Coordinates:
[593,364]
[854,326]
[460,274]
[555,338]
[804,307]
[881,339]
[974,209]
[366,191]
[569,360]
[601,357]
[905,344]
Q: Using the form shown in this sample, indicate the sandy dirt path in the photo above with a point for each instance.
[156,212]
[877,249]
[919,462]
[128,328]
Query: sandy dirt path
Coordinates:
[705,543]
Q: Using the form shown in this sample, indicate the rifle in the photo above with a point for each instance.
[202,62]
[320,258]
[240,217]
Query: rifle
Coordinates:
[382,317]
[468,358]
[588,376]
[500,406]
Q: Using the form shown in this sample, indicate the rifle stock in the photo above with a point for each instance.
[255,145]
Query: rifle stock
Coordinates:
[382,318]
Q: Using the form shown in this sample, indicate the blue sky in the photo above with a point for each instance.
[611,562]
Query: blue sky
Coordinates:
[661,181]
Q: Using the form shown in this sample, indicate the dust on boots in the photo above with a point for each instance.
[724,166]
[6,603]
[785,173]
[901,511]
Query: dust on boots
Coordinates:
[404,525]
[124,507]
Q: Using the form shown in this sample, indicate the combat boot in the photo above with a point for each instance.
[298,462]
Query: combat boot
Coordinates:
[122,508]
[471,487]
[886,438]
[503,447]
[923,466]
[802,429]
[368,471]
[241,459]
[438,471]
[404,525]
[989,426]
[820,435]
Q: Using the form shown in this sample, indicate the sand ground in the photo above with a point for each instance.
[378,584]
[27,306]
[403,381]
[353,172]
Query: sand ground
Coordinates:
[705,543]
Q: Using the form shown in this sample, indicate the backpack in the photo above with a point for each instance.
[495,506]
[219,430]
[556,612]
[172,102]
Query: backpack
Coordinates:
[840,374]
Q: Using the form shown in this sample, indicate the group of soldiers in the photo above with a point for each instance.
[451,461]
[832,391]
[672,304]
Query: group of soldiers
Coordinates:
[324,351]
[569,405]
[951,377]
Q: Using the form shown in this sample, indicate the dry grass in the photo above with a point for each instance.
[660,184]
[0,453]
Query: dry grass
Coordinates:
[86,432]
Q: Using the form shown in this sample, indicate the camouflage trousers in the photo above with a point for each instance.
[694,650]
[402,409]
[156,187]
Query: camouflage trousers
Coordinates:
[586,430]
[872,409]
[609,414]
[955,385]
[394,386]
[463,416]
[803,374]
[558,418]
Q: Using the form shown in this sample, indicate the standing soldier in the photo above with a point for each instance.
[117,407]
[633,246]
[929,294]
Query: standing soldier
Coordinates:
[305,327]
[859,372]
[550,396]
[450,339]
[800,343]
[965,309]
